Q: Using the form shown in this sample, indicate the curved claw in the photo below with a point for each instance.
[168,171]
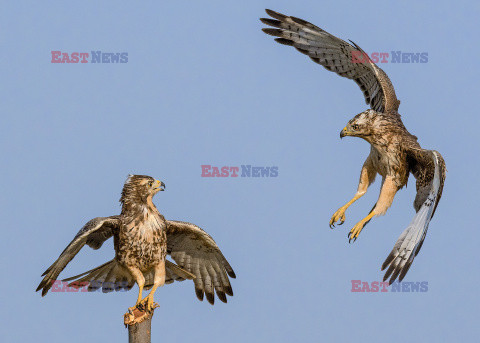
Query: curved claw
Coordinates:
[147,304]
[351,238]
[338,218]
[355,231]
[353,234]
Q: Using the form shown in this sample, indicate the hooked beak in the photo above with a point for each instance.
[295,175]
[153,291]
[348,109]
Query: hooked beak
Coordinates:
[344,132]
[160,185]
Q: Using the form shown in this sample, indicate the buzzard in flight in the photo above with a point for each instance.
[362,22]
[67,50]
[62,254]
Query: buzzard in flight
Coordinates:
[394,152]
[142,238]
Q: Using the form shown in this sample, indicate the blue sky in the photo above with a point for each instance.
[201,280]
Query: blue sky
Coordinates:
[203,85]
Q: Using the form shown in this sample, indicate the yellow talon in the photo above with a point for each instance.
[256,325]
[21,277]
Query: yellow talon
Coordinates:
[353,234]
[338,216]
[147,303]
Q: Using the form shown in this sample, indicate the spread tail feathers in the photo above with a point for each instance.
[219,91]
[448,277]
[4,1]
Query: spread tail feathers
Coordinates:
[176,273]
[111,276]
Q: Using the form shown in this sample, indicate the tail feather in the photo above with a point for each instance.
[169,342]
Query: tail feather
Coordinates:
[408,244]
[109,276]
[149,276]
[87,272]
[172,273]
[112,276]
[177,272]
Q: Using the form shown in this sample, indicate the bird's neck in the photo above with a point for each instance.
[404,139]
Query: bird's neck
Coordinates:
[134,209]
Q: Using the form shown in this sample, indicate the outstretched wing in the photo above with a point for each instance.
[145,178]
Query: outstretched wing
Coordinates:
[336,55]
[428,167]
[196,252]
[94,233]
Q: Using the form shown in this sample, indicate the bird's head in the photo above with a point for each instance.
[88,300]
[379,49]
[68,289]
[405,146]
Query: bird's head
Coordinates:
[140,188]
[362,125]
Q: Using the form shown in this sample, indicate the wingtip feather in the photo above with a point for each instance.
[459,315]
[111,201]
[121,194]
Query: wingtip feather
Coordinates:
[271,22]
[284,41]
[229,290]
[210,298]
[221,295]
[199,293]
[275,15]
[272,32]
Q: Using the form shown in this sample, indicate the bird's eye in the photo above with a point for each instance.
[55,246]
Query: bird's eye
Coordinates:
[355,126]
[150,183]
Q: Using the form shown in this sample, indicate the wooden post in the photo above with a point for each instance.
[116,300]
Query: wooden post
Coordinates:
[140,332]
[139,323]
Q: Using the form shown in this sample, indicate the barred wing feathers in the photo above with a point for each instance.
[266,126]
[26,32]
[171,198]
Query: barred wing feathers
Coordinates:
[335,55]
[196,252]
[93,233]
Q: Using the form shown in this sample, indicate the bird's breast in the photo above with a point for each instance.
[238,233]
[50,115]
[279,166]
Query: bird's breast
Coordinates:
[390,161]
[142,241]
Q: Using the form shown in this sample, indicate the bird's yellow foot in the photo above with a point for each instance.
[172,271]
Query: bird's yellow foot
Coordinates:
[147,304]
[139,299]
[338,216]
[353,234]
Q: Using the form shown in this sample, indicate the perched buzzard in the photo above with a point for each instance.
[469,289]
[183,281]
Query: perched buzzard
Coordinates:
[394,153]
[142,239]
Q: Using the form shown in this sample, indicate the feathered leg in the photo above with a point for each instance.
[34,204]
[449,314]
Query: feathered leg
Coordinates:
[158,281]
[139,279]
[367,176]
[387,193]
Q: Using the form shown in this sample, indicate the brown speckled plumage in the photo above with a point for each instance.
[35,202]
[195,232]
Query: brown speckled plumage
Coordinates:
[142,239]
[394,153]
